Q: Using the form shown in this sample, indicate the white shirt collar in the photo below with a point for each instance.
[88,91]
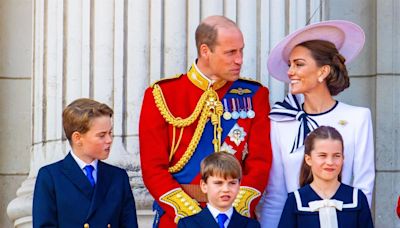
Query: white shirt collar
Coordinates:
[215,212]
[82,164]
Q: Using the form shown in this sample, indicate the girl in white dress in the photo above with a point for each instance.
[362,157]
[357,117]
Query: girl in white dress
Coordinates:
[322,201]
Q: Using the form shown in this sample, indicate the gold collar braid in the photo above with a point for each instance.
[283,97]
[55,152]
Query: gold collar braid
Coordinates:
[208,106]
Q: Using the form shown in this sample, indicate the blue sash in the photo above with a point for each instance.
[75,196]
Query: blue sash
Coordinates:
[205,146]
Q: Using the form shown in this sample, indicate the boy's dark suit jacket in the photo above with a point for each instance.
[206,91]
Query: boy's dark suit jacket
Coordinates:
[63,197]
[205,219]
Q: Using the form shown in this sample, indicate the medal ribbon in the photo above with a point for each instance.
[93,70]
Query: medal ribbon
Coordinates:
[205,146]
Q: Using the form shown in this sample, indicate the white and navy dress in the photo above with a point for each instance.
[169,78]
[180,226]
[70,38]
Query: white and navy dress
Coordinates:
[290,124]
[303,209]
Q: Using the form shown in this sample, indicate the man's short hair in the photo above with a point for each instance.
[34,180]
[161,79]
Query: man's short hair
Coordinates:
[78,116]
[220,164]
[207,31]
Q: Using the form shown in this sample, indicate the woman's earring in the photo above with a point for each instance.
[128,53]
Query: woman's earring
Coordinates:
[320,80]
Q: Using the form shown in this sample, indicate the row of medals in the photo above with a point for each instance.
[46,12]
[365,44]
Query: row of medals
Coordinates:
[235,108]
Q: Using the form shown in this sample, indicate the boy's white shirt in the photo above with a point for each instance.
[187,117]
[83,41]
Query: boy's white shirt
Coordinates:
[215,212]
[82,165]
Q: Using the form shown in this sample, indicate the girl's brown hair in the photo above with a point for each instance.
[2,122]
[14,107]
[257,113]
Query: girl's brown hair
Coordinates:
[322,132]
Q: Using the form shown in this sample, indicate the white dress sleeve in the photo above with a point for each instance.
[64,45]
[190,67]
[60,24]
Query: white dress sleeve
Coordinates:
[364,159]
[273,200]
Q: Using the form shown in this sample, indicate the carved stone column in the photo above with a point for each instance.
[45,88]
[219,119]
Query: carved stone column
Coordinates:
[111,50]
[80,50]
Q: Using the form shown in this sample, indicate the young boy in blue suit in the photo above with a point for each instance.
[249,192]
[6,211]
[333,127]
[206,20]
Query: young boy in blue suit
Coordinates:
[220,181]
[81,190]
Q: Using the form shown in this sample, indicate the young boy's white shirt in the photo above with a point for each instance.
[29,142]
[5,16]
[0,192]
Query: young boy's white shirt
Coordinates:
[215,212]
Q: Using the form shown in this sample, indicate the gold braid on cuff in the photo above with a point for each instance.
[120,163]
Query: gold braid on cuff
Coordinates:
[243,199]
[182,203]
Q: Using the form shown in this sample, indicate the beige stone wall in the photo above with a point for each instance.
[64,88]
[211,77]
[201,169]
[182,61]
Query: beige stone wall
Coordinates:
[15,98]
[375,76]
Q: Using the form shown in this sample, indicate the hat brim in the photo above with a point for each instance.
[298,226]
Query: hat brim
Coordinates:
[348,37]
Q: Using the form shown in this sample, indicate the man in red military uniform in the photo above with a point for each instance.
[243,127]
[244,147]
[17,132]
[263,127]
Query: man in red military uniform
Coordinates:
[398,207]
[208,109]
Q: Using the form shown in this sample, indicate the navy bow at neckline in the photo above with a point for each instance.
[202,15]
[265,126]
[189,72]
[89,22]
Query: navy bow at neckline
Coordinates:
[291,109]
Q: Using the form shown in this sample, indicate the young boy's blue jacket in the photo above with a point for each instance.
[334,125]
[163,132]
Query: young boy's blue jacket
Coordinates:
[63,197]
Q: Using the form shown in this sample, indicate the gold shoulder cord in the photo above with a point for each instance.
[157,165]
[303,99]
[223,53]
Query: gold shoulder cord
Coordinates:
[208,105]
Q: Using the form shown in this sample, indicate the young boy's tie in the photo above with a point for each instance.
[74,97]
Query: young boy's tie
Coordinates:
[221,220]
[89,173]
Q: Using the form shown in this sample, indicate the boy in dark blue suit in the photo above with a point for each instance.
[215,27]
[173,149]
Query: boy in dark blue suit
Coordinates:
[81,190]
[220,181]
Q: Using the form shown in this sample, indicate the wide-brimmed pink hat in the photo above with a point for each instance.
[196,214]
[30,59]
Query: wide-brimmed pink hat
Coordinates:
[348,38]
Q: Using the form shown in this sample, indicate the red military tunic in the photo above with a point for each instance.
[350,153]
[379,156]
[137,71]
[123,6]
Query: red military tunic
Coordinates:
[398,207]
[247,138]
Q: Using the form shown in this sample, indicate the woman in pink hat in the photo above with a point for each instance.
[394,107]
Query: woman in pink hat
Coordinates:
[312,60]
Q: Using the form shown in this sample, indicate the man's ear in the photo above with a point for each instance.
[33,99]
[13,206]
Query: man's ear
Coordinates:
[203,186]
[204,50]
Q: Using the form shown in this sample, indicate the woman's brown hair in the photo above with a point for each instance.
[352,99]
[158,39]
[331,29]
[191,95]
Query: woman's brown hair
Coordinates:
[322,132]
[326,53]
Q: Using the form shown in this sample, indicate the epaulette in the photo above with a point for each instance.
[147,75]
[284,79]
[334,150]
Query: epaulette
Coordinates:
[166,79]
[251,80]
